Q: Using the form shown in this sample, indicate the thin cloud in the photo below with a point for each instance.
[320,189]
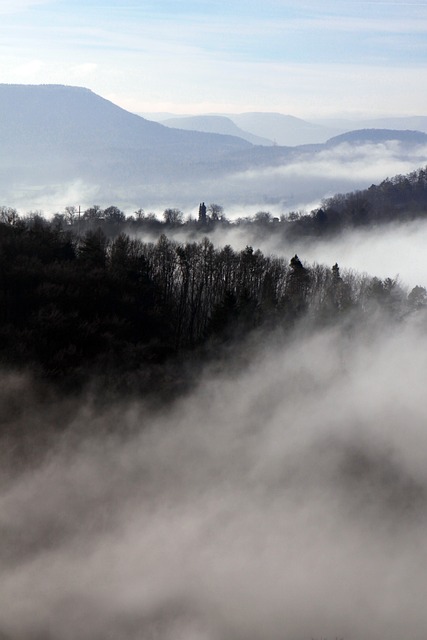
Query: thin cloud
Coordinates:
[18,6]
[183,48]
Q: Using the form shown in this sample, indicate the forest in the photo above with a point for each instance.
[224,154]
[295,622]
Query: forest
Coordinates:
[125,301]
[199,441]
[78,307]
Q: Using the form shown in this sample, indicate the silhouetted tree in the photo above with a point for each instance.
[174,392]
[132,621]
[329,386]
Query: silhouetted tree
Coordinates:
[8,215]
[173,217]
[417,298]
[92,250]
[93,214]
[297,287]
[114,215]
[215,211]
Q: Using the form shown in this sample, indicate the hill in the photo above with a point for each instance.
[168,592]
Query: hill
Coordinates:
[83,308]
[51,134]
[401,123]
[283,129]
[269,127]
[215,124]
[66,145]
[362,136]
[54,114]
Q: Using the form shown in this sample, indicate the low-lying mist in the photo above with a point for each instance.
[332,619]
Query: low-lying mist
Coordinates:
[299,181]
[387,250]
[283,498]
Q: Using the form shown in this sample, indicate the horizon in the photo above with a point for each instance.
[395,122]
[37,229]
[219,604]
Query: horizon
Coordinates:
[343,59]
[350,116]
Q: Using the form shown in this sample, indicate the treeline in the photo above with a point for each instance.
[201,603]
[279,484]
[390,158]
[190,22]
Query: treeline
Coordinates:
[73,307]
[397,199]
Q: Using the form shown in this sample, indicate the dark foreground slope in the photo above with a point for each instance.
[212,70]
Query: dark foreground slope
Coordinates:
[282,498]
[132,315]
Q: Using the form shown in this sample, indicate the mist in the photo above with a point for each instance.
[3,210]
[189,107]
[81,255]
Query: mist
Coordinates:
[301,182]
[386,251]
[282,498]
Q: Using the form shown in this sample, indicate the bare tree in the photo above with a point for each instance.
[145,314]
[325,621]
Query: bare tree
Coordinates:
[173,216]
[8,215]
[216,211]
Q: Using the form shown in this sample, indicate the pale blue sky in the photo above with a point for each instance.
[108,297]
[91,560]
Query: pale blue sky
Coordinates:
[308,58]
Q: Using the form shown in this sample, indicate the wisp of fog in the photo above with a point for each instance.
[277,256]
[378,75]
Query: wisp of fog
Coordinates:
[282,499]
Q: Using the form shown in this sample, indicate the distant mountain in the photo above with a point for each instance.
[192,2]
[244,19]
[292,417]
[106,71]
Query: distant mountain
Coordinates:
[54,115]
[414,123]
[159,116]
[61,145]
[49,125]
[215,124]
[361,136]
[403,123]
[288,130]
[266,128]
[283,129]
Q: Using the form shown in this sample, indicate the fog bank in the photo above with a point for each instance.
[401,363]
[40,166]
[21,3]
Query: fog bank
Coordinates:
[384,251]
[298,180]
[287,501]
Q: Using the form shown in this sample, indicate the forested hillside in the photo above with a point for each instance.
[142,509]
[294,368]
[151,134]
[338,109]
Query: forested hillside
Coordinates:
[80,307]
[399,199]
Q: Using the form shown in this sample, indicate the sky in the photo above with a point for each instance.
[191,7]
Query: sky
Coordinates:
[309,59]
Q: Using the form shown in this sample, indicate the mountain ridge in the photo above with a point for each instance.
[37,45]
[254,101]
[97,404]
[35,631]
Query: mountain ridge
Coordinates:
[58,139]
[215,124]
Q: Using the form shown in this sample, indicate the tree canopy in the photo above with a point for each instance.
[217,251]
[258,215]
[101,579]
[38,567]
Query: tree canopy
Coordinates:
[73,306]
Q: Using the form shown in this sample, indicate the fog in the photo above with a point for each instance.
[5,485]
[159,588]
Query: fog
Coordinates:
[393,250]
[300,182]
[283,498]
[389,251]
[309,177]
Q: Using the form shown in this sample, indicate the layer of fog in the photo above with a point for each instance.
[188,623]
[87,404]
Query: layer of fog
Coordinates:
[285,502]
[387,251]
[310,177]
[300,183]
[392,251]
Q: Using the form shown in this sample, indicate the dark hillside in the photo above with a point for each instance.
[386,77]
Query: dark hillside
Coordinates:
[399,199]
[74,309]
